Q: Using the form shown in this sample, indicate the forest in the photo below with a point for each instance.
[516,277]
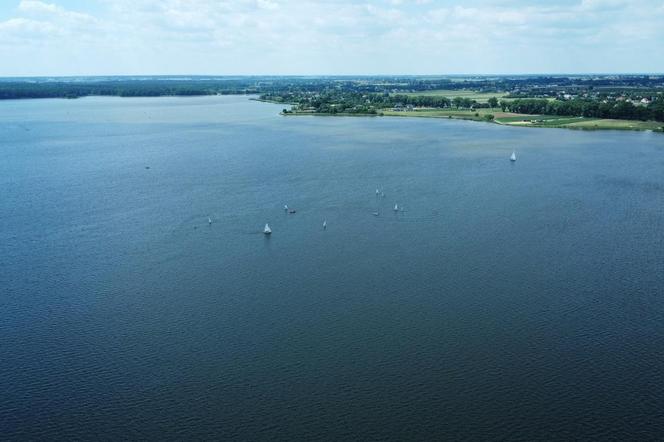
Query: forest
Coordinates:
[634,97]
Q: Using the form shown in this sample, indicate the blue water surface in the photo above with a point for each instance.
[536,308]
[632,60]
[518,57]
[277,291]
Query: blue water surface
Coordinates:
[516,301]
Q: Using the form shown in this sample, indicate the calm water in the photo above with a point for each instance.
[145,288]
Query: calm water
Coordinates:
[508,301]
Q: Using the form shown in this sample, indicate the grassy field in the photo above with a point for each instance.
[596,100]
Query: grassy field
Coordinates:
[433,114]
[479,114]
[617,124]
[579,123]
[481,97]
[542,120]
[523,120]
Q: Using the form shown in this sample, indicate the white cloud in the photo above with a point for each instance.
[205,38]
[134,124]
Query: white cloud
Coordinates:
[604,5]
[20,26]
[267,4]
[330,36]
[31,6]
[38,8]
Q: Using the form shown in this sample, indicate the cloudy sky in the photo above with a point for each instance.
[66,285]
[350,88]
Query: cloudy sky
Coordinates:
[109,37]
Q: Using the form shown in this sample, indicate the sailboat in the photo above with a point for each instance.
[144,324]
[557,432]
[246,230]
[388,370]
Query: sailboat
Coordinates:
[513,156]
[209,220]
[286,207]
[324,224]
[377,191]
[267,229]
[396,207]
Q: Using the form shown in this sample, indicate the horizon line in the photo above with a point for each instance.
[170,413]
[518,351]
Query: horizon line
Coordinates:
[529,74]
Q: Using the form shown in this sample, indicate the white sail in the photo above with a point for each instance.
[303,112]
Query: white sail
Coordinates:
[267,229]
[325,224]
[209,220]
[286,207]
[377,191]
[396,207]
[513,156]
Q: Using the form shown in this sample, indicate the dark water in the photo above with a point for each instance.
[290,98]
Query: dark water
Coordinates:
[508,301]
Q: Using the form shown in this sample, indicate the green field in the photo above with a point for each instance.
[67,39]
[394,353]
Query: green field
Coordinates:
[617,124]
[542,120]
[480,97]
[579,123]
[478,114]
[523,120]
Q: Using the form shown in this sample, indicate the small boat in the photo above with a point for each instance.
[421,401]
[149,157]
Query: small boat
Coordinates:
[513,156]
[396,207]
[324,224]
[292,211]
[382,194]
[267,229]
[209,220]
[375,213]
[286,207]
[377,191]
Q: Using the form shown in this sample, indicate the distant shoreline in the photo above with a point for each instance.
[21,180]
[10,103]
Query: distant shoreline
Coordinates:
[479,115]
[507,119]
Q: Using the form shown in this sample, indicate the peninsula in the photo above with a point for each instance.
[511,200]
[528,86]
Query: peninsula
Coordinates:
[574,102]
[629,102]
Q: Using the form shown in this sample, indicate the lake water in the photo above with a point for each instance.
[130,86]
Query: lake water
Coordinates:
[507,301]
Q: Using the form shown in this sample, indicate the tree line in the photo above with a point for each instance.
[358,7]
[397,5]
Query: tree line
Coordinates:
[121,88]
[370,95]
[579,107]
[335,101]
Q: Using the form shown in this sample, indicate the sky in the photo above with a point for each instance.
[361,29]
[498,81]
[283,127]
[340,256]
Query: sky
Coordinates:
[329,37]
